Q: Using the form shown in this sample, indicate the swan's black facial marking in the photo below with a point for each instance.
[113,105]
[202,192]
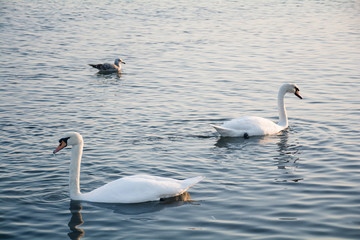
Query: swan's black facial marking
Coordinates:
[62,144]
[64,140]
[246,135]
[297,92]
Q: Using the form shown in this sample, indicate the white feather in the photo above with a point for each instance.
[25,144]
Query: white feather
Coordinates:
[131,189]
[257,126]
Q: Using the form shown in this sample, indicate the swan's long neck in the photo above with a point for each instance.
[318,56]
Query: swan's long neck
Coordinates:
[283,120]
[74,175]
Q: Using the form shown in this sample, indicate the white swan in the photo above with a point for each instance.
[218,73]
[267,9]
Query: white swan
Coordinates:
[108,67]
[131,189]
[257,126]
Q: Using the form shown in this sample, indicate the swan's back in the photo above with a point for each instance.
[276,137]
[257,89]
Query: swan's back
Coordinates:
[248,126]
[139,188]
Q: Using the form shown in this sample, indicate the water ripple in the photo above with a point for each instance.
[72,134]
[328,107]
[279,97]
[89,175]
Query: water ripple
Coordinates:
[188,66]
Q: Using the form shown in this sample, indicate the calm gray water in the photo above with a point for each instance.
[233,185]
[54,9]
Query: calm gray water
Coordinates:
[189,64]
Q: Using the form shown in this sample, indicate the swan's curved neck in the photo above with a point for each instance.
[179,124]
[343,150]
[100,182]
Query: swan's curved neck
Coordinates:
[74,174]
[283,120]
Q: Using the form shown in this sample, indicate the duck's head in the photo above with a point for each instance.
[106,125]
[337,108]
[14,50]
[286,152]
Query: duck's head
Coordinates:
[71,138]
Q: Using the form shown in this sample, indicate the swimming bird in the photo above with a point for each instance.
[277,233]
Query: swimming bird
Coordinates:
[257,126]
[108,67]
[130,189]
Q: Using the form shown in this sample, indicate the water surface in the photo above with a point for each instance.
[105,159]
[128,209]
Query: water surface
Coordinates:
[189,64]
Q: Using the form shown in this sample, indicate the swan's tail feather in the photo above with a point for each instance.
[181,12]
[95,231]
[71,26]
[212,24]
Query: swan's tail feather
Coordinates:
[225,132]
[183,187]
[192,181]
[187,183]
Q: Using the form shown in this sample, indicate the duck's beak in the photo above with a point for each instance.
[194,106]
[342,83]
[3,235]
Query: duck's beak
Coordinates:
[61,146]
[298,94]
[123,62]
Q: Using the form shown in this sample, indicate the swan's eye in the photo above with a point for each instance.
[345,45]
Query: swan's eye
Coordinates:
[64,140]
[297,89]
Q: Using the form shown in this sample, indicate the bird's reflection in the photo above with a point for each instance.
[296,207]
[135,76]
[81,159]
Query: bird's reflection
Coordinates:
[147,207]
[116,75]
[126,209]
[287,152]
[287,157]
[284,147]
[236,142]
[75,221]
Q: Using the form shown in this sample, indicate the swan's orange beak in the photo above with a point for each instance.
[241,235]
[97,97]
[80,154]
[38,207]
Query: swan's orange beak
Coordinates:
[298,94]
[61,146]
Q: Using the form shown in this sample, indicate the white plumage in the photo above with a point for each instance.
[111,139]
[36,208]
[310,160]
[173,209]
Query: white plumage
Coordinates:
[257,126]
[131,189]
[139,188]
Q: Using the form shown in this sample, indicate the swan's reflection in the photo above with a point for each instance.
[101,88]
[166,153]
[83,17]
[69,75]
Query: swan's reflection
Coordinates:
[287,157]
[147,207]
[239,142]
[75,221]
[285,149]
[126,209]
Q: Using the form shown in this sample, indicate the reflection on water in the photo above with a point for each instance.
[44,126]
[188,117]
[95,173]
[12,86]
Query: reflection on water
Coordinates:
[288,157]
[126,209]
[239,142]
[147,207]
[109,76]
[286,150]
[75,221]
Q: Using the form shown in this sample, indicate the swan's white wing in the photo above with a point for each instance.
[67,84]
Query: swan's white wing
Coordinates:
[248,126]
[139,188]
[228,132]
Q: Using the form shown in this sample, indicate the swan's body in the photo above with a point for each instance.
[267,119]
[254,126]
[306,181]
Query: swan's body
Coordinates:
[131,189]
[257,126]
[108,67]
